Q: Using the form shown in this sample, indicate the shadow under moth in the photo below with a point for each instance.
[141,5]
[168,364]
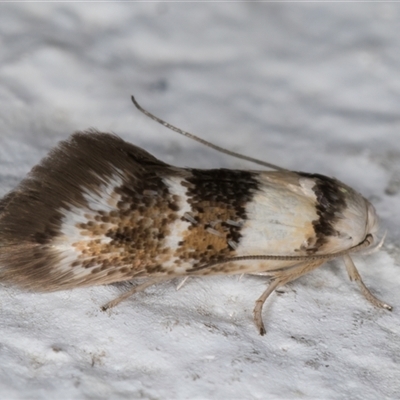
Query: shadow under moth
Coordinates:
[98,210]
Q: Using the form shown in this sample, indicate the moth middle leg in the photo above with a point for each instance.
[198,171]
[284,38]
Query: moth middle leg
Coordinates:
[279,279]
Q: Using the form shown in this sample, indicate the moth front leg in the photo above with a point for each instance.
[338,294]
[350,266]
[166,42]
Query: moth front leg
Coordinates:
[355,276]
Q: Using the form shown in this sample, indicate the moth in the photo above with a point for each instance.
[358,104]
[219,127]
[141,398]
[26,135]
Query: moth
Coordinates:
[98,210]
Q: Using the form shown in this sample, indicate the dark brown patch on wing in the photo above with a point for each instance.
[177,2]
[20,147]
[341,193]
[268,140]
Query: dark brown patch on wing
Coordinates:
[136,229]
[218,201]
[331,201]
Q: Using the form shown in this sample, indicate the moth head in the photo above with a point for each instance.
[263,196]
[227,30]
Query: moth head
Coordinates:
[354,220]
[368,231]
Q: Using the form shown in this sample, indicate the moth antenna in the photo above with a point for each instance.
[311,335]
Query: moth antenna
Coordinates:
[364,244]
[204,142]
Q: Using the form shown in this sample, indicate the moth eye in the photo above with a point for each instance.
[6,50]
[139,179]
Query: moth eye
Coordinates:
[372,220]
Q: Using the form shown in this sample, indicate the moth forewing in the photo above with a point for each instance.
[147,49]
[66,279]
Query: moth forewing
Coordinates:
[98,210]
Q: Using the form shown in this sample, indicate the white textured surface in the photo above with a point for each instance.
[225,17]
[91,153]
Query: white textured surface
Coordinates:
[313,87]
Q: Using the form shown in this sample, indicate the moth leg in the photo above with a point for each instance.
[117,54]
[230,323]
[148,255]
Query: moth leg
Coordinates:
[355,276]
[129,293]
[280,279]
[259,305]
[181,283]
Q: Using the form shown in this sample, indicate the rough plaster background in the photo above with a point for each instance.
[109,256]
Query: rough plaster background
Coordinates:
[312,87]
